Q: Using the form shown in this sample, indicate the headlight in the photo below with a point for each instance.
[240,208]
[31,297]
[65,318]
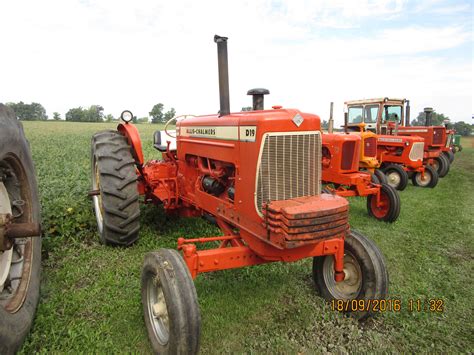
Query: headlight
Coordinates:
[126,116]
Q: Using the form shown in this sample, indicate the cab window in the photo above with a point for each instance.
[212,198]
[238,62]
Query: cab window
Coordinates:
[355,114]
[371,113]
[393,113]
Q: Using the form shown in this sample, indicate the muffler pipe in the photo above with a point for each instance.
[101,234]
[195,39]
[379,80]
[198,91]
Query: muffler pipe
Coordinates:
[407,113]
[331,119]
[223,75]
[428,115]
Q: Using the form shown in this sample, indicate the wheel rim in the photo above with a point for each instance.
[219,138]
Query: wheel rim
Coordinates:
[15,262]
[435,165]
[97,199]
[393,178]
[157,309]
[423,181]
[5,256]
[382,209]
[352,284]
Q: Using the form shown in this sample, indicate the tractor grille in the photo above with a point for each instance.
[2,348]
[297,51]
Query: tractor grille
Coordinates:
[438,135]
[289,167]
[370,147]
[416,152]
[347,155]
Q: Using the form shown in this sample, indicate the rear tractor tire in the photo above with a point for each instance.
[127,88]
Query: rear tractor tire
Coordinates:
[430,178]
[170,304]
[366,276]
[441,164]
[396,176]
[389,208]
[381,176]
[116,205]
[20,266]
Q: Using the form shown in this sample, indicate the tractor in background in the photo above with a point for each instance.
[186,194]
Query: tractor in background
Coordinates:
[398,157]
[341,175]
[392,116]
[257,176]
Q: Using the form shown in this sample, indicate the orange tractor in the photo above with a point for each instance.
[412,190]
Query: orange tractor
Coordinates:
[257,174]
[396,156]
[341,154]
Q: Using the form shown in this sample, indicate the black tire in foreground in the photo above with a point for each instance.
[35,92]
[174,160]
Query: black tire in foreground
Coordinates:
[170,304]
[430,178]
[116,206]
[20,278]
[389,208]
[366,276]
[441,164]
[396,176]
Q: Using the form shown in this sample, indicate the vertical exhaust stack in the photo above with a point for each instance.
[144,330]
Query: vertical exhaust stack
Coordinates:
[331,119]
[223,75]
[428,115]
[407,113]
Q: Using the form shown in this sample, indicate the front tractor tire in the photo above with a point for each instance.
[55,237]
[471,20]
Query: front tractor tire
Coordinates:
[170,304]
[429,179]
[20,265]
[366,276]
[389,207]
[114,181]
[396,176]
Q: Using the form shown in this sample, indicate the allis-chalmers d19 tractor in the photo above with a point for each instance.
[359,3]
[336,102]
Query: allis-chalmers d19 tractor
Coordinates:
[341,174]
[397,156]
[258,175]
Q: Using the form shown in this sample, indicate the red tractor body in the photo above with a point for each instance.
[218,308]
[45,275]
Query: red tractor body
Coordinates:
[284,216]
[406,151]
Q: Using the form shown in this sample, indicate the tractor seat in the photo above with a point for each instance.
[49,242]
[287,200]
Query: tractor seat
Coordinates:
[160,139]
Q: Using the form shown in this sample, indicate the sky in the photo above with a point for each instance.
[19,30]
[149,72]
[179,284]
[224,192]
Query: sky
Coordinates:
[134,54]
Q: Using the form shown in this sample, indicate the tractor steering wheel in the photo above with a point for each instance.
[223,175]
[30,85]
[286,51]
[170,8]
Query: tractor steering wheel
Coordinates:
[174,119]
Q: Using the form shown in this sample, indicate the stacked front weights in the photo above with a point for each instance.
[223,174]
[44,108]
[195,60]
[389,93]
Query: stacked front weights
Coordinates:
[256,175]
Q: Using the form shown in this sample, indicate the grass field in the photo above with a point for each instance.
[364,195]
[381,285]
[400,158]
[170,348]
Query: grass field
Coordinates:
[90,295]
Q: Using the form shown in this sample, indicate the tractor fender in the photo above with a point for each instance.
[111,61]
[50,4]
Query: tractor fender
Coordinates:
[133,138]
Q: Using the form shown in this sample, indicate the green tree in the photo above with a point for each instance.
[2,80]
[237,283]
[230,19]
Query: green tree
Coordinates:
[109,118]
[436,119]
[76,114]
[156,113]
[169,115]
[142,120]
[324,124]
[56,116]
[94,113]
[29,112]
[246,108]
[463,128]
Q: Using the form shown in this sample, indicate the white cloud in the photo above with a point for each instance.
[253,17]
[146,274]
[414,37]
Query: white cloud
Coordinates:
[132,55]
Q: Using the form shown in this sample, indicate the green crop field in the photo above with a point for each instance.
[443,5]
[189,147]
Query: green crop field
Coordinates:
[90,294]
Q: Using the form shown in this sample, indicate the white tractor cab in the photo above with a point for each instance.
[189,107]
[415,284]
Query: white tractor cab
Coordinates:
[376,114]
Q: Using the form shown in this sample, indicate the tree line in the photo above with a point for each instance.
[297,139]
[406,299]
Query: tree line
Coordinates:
[93,113]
